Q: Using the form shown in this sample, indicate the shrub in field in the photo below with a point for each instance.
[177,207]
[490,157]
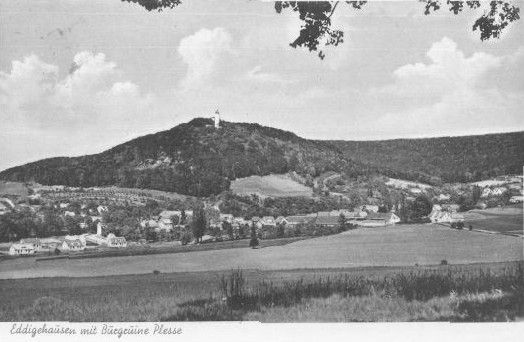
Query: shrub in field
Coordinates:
[232,289]
[443,262]
[253,243]
[495,306]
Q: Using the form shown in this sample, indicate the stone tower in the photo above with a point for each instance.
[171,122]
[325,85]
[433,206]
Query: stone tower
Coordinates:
[216,119]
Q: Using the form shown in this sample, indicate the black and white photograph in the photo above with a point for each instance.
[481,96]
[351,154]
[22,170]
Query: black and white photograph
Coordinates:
[171,161]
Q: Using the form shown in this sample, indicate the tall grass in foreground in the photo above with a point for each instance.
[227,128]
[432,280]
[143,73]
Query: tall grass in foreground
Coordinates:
[503,299]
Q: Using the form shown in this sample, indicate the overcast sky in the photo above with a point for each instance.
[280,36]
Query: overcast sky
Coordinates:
[78,77]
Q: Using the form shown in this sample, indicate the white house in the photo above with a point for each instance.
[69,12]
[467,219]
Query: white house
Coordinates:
[437,216]
[226,217]
[415,191]
[369,208]
[165,224]
[281,220]
[69,213]
[64,205]
[485,193]
[387,219]
[22,249]
[498,191]
[443,197]
[116,242]
[101,209]
[72,245]
[81,238]
[268,221]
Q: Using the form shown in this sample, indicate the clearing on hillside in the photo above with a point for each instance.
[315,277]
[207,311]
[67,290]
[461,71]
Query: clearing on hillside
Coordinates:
[270,186]
[13,188]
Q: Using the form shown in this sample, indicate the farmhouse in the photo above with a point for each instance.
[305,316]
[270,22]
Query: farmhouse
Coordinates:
[443,197]
[165,224]
[101,209]
[149,223]
[498,191]
[240,221]
[369,208]
[72,245]
[296,220]
[380,219]
[268,221]
[437,215]
[32,241]
[281,220]
[22,249]
[355,215]
[116,242]
[226,217]
[327,221]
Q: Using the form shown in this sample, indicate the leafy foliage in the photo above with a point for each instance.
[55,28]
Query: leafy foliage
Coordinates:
[158,5]
[316,18]
[491,24]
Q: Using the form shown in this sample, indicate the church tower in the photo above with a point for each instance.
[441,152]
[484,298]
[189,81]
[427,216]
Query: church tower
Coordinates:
[216,119]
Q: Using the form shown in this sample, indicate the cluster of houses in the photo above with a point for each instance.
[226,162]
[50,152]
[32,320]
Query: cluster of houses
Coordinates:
[66,244]
[365,216]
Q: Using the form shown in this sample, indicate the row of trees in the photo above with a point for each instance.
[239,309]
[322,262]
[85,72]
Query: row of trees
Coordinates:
[21,224]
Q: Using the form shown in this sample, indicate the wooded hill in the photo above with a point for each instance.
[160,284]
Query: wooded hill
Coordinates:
[196,159]
[193,158]
[447,159]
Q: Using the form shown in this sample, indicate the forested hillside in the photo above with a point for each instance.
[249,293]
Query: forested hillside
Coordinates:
[447,159]
[196,159]
[192,158]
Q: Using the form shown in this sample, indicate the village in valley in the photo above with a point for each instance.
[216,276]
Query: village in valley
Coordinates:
[59,221]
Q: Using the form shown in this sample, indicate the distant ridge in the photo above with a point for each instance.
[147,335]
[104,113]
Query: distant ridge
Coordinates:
[450,159]
[195,158]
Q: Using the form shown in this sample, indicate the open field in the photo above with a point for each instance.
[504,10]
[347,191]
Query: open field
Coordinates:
[501,219]
[272,185]
[164,248]
[401,245]
[355,294]
[13,188]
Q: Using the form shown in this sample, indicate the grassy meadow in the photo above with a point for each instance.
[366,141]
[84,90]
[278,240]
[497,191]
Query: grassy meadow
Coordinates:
[401,245]
[478,292]
[507,219]
[271,185]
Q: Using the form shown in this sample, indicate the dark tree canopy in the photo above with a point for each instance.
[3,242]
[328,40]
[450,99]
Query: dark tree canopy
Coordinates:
[316,27]
[158,5]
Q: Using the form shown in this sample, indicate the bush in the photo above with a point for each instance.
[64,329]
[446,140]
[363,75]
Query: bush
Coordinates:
[156,272]
[443,262]
[186,238]
[253,243]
